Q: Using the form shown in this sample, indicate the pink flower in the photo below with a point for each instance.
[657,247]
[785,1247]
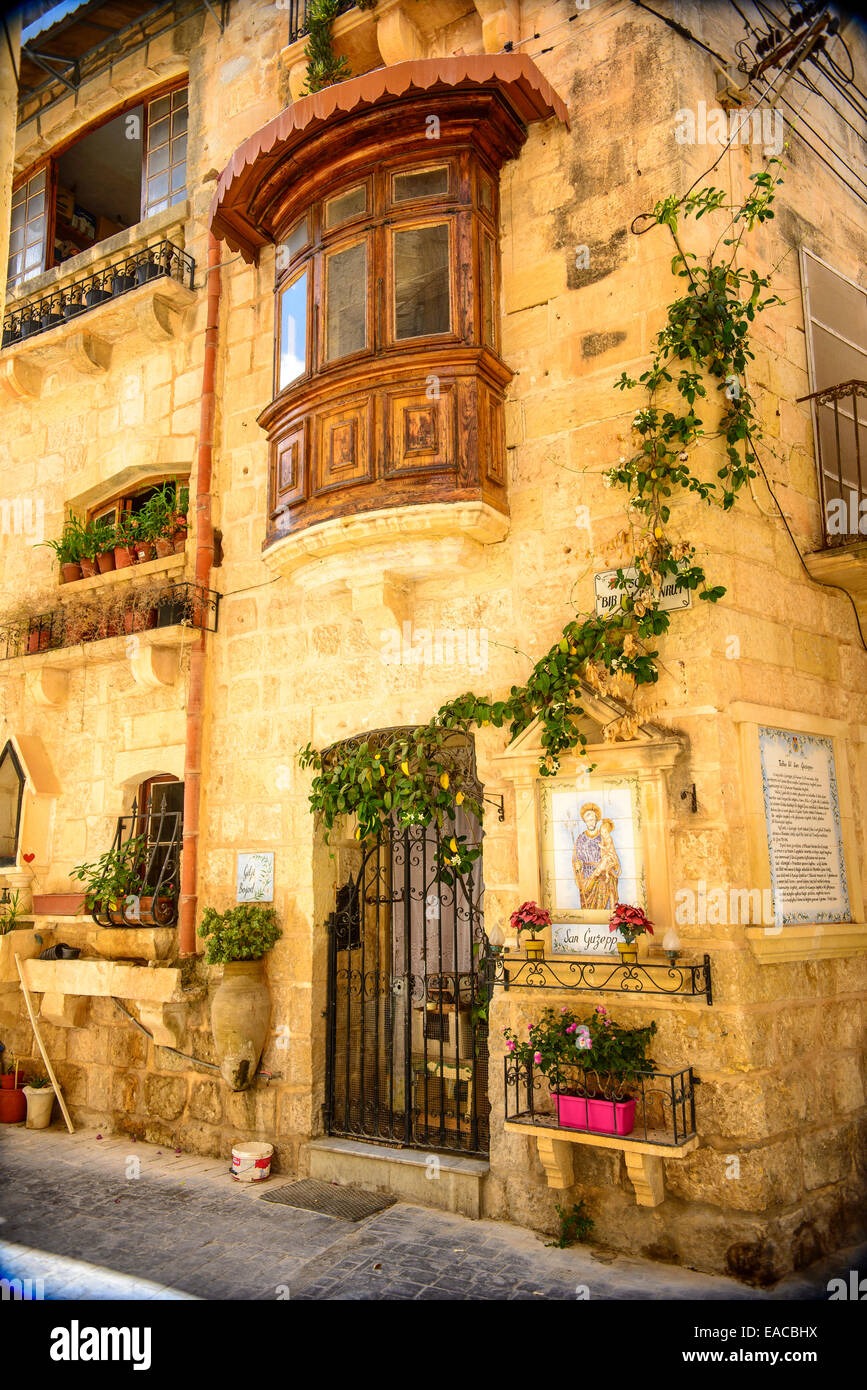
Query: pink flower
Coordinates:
[537,1057]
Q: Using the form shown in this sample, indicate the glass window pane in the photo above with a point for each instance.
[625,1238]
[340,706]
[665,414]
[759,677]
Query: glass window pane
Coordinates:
[16,265]
[179,149]
[179,178]
[179,122]
[346,298]
[421,183]
[159,108]
[16,239]
[297,238]
[179,98]
[158,187]
[35,204]
[346,205]
[156,207]
[19,195]
[421,281]
[38,181]
[33,257]
[158,134]
[35,229]
[488,292]
[293,332]
[158,160]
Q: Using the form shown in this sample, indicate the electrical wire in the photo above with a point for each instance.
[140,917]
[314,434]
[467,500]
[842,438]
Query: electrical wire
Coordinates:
[187,1056]
[799,117]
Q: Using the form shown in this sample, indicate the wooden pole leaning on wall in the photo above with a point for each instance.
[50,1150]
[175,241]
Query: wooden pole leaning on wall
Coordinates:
[41,1045]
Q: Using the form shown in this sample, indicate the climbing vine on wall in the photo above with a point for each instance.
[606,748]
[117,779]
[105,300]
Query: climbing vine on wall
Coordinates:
[703,348]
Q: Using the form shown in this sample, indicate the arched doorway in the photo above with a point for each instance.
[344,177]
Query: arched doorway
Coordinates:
[407,1055]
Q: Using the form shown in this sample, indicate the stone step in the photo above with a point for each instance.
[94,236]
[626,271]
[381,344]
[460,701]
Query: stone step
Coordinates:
[446,1181]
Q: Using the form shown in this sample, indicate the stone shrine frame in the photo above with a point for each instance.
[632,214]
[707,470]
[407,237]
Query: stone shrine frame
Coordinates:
[799,940]
[645,762]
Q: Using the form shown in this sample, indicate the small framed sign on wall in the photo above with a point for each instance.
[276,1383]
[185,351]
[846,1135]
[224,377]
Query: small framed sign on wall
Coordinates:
[255,877]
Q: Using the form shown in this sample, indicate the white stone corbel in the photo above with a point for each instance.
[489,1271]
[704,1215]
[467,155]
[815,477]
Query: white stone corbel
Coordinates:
[500,23]
[88,353]
[47,686]
[154,666]
[166,1022]
[64,1010]
[398,38]
[20,379]
[645,1174]
[380,603]
[157,318]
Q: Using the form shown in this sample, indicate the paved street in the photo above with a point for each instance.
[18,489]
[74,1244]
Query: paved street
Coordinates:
[100,1218]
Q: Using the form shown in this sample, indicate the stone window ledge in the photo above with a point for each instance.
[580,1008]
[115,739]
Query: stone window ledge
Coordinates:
[169,567]
[67,985]
[803,941]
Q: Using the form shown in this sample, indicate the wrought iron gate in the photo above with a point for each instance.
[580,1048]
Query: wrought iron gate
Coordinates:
[407,1057]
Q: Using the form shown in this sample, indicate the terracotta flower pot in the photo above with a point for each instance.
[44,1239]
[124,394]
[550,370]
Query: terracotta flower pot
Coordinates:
[139,622]
[179,541]
[39,639]
[58,904]
[88,568]
[144,551]
[7,1081]
[240,1012]
[124,556]
[164,546]
[13,1106]
[105,561]
[71,572]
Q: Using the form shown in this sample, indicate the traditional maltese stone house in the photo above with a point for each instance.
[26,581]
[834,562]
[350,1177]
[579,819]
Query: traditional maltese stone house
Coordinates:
[374,330]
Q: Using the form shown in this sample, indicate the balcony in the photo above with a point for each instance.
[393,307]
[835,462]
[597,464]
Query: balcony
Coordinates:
[396,31]
[137,282]
[158,614]
[840,428]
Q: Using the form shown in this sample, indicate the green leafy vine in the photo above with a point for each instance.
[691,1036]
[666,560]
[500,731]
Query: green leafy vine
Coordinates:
[414,777]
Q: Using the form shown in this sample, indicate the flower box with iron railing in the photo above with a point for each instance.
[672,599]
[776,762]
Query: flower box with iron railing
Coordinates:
[135,883]
[86,292]
[841,448]
[606,975]
[134,611]
[652,1107]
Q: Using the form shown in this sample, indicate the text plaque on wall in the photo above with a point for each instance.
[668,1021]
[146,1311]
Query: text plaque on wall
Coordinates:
[255,882]
[802,815]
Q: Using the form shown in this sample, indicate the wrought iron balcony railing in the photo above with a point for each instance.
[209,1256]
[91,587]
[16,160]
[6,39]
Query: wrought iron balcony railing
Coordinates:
[568,1100]
[86,292]
[146,863]
[298,16]
[841,445]
[603,976]
[138,610]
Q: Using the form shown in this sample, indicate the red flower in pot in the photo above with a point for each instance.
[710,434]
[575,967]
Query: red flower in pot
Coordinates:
[631,922]
[531,918]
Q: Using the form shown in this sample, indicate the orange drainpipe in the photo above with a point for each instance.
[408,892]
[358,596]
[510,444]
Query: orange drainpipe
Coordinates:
[204,561]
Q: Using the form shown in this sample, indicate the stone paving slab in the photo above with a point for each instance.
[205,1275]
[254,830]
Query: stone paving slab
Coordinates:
[74,1213]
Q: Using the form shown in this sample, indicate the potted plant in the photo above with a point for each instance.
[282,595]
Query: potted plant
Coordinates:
[12,913]
[631,922]
[159,511]
[96,293]
[589,1064]
[125,533]
[179,518]
[122,277]
[238,939]
[102,542]
[68,549]
[112,878]
[531,918]
[40,1102]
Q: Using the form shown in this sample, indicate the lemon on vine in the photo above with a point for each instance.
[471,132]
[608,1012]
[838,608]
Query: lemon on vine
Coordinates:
[459,799]
[444,781]
[453,845]
[404,767]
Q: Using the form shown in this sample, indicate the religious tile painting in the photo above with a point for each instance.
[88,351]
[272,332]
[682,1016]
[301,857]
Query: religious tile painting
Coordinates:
[591,857]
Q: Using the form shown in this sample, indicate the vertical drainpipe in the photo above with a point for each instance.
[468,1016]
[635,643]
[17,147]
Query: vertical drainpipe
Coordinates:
[10,61]
[204,561]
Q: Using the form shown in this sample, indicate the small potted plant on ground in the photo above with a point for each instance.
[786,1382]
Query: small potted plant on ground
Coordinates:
[589,1065]
[238,939]
[40,1102]
[631,922]
[531,918]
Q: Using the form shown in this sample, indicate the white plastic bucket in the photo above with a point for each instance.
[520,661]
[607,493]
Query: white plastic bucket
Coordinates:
[251,1162]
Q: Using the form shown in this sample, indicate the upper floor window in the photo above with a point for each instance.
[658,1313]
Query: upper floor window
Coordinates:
[130,166]
[375,266]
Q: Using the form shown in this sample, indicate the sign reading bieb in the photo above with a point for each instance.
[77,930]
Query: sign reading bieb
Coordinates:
[609,592]
[802,813]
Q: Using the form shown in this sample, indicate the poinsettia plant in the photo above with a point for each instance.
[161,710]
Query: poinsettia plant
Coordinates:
[531,918]
[630,921]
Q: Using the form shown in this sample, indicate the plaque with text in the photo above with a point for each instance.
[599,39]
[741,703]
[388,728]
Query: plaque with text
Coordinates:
[255,882]
[583,939]
[802,814]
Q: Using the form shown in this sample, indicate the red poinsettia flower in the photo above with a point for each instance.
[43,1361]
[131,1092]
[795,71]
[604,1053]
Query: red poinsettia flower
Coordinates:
[530,917]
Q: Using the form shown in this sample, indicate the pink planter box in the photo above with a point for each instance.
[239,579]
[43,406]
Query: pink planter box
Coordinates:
[600,1116]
